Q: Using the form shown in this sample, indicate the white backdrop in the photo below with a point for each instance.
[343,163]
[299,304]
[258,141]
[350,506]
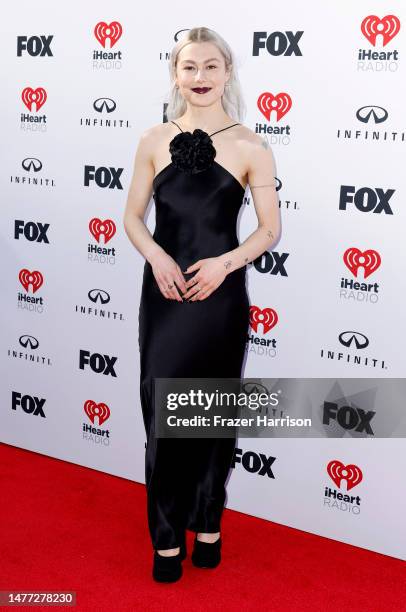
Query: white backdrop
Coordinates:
[341,195]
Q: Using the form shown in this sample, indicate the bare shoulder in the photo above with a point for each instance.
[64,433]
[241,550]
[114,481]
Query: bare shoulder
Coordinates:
[252,143]
[154,134]
[151,144]
[254,149]
[257,154]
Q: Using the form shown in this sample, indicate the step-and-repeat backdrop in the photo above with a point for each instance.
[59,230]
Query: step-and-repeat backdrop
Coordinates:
[322,82]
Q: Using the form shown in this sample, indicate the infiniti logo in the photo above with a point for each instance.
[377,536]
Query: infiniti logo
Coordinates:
[31,163]
[98,295]
[104,105]
[29,341]
[348,338]
[254,387]
[377,113]
[178,36]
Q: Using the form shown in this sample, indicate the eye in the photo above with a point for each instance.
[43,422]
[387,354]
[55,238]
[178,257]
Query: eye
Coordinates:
[191,67]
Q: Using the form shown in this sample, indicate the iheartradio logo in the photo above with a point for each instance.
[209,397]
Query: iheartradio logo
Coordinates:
[350,473]
[267,317]
[32,96]
[355,259]
[27,278]
[101,411]
[98,228]
[108,31]
[387,27]
[281,104]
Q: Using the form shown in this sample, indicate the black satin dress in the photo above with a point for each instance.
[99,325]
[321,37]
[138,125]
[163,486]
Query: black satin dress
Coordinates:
[196,214]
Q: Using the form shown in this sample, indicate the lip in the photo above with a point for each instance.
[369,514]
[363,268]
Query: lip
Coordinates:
[201,90]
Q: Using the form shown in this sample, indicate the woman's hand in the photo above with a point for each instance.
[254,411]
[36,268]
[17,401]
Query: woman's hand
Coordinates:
[211,273]
[167,272]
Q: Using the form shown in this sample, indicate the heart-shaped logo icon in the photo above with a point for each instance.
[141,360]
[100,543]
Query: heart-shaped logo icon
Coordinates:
[30,96]
[355,259]
[387,27]
[105,228]
[27,278]
[281,104]
[350,473]
[111,31]
[268,317]
[93,410]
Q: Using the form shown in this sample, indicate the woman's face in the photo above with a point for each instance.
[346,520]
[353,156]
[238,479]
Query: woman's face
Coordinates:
[201,74]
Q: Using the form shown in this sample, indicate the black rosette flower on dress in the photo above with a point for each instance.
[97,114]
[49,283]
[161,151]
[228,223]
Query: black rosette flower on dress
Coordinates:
[192,153]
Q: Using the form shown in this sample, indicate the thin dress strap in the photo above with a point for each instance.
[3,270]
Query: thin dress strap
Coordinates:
[177,125]
[226,128]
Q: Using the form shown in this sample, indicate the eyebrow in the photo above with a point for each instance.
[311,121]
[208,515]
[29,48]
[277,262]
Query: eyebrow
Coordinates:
[212,59]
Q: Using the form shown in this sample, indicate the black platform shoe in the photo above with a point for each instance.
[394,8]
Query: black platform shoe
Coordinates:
[206,555]
[167,569]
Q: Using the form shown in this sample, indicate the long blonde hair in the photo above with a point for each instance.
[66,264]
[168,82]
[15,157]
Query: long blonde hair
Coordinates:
[232,100]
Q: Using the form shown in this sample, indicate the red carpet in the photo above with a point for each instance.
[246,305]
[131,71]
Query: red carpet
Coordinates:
[68,527]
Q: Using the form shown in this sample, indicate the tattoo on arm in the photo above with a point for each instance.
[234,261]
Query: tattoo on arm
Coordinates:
[246,259]
[265,144]
[269,234]
[227,264]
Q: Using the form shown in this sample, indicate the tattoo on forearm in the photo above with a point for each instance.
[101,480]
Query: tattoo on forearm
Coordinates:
[227,264]
[246,259]
[269,234]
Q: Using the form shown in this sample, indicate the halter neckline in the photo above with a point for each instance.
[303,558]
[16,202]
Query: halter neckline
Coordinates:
[226,128]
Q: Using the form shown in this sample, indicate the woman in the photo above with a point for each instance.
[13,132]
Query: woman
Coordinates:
[194,309]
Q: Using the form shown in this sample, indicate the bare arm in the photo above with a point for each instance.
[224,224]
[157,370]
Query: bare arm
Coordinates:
[139,195]
[261,179]
[165,269]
